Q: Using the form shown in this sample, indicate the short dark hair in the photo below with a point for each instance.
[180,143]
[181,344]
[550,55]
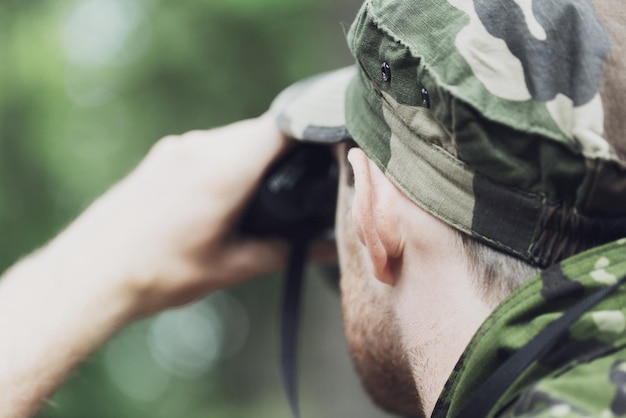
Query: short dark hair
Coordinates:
[495,274]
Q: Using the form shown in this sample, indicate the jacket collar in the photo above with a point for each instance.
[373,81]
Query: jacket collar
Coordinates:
[529,309]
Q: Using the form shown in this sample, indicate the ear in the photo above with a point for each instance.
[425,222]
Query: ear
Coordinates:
[375,217]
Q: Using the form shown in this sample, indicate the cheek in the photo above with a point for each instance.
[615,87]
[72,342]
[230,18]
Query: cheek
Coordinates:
[354,278]
[346,238]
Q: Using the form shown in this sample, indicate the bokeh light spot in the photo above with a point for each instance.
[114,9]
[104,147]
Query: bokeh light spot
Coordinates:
[132,370]
[98,30]
[188,341]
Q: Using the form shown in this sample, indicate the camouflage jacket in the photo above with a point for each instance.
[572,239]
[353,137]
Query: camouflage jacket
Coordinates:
[584,375]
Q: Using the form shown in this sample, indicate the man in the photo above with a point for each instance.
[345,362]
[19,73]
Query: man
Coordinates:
[489,145]
[501,120]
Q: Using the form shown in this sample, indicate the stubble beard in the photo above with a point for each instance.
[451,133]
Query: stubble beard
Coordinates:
[374,337]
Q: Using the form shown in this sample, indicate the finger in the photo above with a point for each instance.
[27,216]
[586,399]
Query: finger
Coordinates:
[254,142]
[247,258]
[263,256]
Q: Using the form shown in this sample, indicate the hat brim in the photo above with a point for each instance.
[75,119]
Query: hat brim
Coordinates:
[312,110]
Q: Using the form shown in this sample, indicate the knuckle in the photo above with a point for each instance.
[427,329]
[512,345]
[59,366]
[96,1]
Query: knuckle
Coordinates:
[168,147]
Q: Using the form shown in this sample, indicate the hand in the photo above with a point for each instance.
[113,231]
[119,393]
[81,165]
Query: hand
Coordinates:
[165,234]
[162,236]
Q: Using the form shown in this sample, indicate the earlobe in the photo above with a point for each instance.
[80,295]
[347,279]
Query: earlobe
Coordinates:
[371,216]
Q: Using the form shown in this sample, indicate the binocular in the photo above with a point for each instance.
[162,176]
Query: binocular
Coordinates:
[297,197]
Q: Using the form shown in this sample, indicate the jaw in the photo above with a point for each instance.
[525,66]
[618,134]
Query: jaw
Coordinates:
[373,334]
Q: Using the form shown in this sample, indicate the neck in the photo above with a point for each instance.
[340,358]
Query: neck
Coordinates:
[438,313]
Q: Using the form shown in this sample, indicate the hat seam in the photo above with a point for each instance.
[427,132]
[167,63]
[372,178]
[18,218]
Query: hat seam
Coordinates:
[385,29]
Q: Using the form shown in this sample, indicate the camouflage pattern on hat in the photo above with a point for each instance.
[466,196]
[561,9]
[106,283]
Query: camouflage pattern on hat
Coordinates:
[492,116]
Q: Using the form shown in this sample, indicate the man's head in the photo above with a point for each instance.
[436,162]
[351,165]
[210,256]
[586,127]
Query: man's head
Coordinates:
[490,143]
[410,285]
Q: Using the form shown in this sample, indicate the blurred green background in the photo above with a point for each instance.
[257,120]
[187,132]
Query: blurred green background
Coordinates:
[85,88]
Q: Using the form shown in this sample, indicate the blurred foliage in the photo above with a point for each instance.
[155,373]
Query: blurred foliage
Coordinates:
[85,88]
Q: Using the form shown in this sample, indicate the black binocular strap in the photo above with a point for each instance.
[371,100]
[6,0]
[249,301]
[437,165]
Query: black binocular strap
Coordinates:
[289,322]
[485,397]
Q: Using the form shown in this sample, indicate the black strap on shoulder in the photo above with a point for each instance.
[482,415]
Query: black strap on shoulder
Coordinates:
[486,395]
[289,324]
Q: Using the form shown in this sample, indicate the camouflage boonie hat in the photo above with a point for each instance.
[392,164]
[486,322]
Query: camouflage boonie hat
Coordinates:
[507,119]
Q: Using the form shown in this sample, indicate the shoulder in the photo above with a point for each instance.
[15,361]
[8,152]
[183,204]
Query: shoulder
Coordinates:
[593,389]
